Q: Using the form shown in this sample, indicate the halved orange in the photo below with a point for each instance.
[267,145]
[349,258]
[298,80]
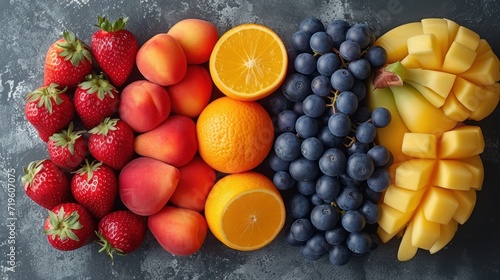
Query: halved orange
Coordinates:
[245,211]
[248,62]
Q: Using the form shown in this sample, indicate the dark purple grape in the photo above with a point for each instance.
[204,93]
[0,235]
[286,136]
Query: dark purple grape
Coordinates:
[328,63]
[302,229]
[339,255]
[296,87]
[342,79]
[287,146]
[321,42]
[350,50]
[299,206]
[286,121]
[324,217]
[332,162]
[300,41]
[360,166]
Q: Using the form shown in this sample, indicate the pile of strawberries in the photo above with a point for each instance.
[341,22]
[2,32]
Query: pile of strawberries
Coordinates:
[75,113]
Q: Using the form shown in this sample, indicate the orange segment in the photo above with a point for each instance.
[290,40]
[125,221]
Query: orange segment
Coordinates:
[249,62]
[245,211]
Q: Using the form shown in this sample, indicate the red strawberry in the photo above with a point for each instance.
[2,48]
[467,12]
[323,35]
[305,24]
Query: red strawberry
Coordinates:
[95,99]
[67,149]
[121,232]
[49,109]
[67,62]
[69,226]
[46,184]
[114,49]
[112,142]
[95,186]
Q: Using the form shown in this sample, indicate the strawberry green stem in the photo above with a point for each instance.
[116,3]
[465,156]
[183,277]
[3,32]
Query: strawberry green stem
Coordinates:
[104,24]
[108,248]
[74,49]
[67,138]
[30,172]
[45,95]
[98,84]
[104,127]
[89,169]
[62,225]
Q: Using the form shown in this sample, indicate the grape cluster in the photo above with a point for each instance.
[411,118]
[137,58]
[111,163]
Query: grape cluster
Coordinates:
[324,156]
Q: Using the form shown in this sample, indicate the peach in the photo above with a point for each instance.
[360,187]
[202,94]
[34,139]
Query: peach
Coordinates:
[192,94]
[145,185]
[174,141]
[161,60]
[179,231]
[197,38]
[144,96]
[196,180]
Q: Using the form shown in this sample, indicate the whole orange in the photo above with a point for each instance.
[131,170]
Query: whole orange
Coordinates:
[234,136]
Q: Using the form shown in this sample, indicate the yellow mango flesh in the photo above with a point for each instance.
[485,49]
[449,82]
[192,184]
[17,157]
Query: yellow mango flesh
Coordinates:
[475,166]
[469,94]
[395,40]
[420,145]
[411,61]
[488,105]
[440,82]
[452,30]
[453,174]
[462,142]
[467,37]
[424,233]
[466,201]
[435,99]
[425,48]
[458,59]
[406,249]
[392,220]
[447,231]
[414,174]
[439,28]
[483,71]
[454,109]
[402,199]
[440,205]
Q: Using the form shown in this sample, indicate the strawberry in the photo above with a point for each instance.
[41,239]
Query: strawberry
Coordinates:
[95,99]
[112,142]
[46,184]
[114,48]
[121,232]
[49,109]
[69,226]
[67,149]
[67,62]
[95,187]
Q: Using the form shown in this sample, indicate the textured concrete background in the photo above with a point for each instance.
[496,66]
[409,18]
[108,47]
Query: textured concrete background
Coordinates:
[27,28]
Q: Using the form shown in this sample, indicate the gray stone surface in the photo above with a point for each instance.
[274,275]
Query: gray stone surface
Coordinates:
[27,28]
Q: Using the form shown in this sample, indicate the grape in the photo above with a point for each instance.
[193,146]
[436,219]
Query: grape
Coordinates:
[360,166]
[313,106]
[296,87]
[380,180]
[300,41]
[339,124]
[362,114]
[371,211]
[336,235]
[321,85]
[316,200]
[306,126]
[327,188]
[371,195]
[348,182]
[302,229]
[375,241]
[347,103]
[297,108]
[359,89]
[317,244]
[349,199]
[308,253]
[327,64]
[328,139]
[276,163]
[339,255]
[360,33]
[286,121]
[283,181]
[360,68]
[332,162]
[381,117]
[312,148]
[342,79]
[299,206]
[305,63]
[324,217]
[292,241]
[277,103]
[380,155]
[353,221]
[311,25]
[303,169]
[350,50]
[366,132]
[321,42]
[306,187]
[287,146]
[337,29]
[357,147]
[359,242]
[377,56]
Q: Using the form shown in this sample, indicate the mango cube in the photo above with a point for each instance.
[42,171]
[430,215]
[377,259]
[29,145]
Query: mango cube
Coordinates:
[489,104]
[469,94]
[410,61]
[392,220]
[454,109]
[425,48]
[414,174]
[395,40]
[447,231]
[435,99]
[440,82]
[458,59]
[475,165]
[420,145]
[402,199]
[453,174]
[424,233]
[467,37]
[452,30]
[483,71]
[462,142]
[406,249]
[439,28]
[466,201]
[440,205]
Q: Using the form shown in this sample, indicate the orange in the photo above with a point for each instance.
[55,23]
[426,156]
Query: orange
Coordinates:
[248,62]
[234,136]
[245,211]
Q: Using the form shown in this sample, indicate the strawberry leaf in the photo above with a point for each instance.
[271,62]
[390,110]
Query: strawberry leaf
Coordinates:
[74,49]
[98,84]
[67,138]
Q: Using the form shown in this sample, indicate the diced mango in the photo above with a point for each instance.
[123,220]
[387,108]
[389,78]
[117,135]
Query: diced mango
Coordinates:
[453,174]
[438,27]
[483,47]
[447,232]
[475,165]
[454,109]
[426,49]
[392,220]
[467,37]
[462,142]
[410,61]
[402,199]
[414,174]
[395,41]
[466,201]
[483,71]
[435,99]
[489,103]
[458,59]
[424,233]
[420,145]
[406,249]
[384,236]
[469,94]
[440,82]
[440,205]
[452,30]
